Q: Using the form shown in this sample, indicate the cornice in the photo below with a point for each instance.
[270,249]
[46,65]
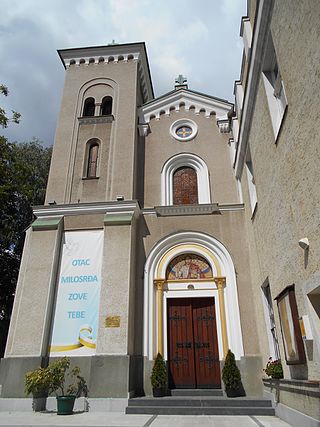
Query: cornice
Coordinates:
[112,54]
[174,100]
[262,25]
[51,211]
[95,120]
[200,209]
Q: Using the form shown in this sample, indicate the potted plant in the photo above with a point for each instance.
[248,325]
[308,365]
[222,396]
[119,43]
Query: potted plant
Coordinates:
[37,383]
[231,377]
[59,375]
[159,377]
[274,369]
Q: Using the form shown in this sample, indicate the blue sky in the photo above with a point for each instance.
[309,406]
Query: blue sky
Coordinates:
[199,39]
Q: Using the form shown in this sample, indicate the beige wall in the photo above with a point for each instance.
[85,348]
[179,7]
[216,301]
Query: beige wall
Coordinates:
[287,174]
[31,318]
[122,77]
[209,144]
[228,228]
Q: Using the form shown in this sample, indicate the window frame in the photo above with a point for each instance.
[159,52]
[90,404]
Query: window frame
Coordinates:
[105,99]
[90,144]
[85,106]
[274,88]
[180,160]
[287,306]
[194,173]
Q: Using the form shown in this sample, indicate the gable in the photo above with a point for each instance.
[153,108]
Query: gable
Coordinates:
[189,100]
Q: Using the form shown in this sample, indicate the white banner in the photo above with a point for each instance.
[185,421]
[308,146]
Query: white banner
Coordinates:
[77,303]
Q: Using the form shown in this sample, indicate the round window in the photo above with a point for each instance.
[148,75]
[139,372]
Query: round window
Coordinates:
[183,130]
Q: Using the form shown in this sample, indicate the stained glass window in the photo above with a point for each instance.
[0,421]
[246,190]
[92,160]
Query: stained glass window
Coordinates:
[185,186]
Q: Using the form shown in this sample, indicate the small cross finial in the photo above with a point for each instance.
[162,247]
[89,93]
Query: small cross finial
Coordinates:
[180,80]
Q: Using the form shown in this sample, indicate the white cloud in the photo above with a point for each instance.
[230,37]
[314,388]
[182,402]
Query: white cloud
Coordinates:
[198,39]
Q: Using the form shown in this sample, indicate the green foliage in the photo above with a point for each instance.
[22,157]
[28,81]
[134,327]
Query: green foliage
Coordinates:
[37,382]
[4,119]
[23,177]
[274,368]
[59,375]
[230,373]
[159,376]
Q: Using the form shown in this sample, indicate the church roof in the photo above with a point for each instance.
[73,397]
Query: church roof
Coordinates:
[190,100]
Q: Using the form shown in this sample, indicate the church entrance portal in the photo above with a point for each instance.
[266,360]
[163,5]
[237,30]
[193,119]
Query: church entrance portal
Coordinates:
[193,356]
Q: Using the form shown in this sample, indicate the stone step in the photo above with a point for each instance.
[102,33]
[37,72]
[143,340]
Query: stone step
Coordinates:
[195,410]
[196,392]
[196,401]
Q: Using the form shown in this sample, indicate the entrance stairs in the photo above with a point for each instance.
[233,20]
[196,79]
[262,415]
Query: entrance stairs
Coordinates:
[199,402]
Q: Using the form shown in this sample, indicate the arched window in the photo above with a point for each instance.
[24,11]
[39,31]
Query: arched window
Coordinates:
[200,179]
[185,186]
[93,152]
[106,106]
[89,107]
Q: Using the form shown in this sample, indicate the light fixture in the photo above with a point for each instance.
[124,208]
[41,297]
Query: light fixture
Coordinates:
[52,202]
[304,243]
[119,198]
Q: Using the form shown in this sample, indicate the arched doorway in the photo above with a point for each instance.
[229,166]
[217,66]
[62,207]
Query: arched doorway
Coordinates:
[192,342]
[220,288]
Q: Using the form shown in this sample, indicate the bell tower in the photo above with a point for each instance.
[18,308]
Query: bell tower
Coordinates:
[96,139]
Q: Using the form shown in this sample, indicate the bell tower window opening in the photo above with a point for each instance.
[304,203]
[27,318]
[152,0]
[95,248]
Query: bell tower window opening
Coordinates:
[185,186]
[92,160]
[89,107]
[106,106]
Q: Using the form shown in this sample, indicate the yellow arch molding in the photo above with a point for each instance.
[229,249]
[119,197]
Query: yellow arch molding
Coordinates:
[193,247]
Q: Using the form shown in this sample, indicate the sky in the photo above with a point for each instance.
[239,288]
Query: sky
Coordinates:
[197,38]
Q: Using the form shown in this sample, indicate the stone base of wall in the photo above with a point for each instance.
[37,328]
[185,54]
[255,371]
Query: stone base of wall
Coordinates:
[107,376]
[296,401]
[250,369]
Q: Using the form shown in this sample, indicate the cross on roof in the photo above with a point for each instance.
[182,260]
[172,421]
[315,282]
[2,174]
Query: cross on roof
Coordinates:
[180,80]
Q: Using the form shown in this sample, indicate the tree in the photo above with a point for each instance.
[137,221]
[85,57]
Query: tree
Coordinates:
[23,176]
[4,119]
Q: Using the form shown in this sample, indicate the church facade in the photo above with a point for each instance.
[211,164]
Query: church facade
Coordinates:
[151,239]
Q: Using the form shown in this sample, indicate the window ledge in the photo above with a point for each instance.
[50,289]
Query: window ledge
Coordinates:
[92,120]
[179,210]
[89,178]
[254,211]
[277,136]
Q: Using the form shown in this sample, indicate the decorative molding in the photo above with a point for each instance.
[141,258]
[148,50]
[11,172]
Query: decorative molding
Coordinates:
[189,100]
[205,209]
[208,209]
[143,129]
[179,160]
[95,120]
[112,54]
[156,264]
[180,123]
[46,223]
[231,207]
[259,39]
[85,209]
[114,218]
[224,125]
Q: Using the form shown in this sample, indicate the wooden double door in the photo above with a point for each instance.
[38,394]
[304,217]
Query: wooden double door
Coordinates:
[193,356]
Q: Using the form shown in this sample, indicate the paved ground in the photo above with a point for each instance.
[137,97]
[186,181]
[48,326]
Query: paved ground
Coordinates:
[117,419]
